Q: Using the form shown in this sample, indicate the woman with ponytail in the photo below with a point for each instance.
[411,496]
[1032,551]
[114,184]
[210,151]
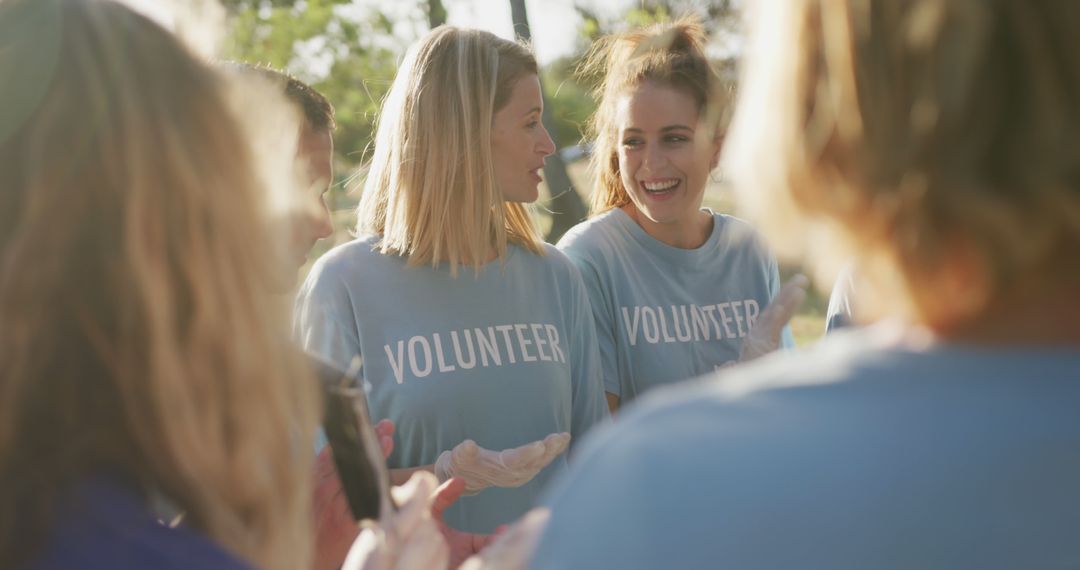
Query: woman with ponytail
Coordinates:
[676,289]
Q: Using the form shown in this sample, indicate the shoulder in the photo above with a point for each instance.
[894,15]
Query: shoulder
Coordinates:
[736,232]
[593,237]
[553,262]
[105,526]
[675,458]
[722,412]
[346,267]
[352,256]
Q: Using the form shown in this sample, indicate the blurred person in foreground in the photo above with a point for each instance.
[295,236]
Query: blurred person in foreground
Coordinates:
[938,142]
[143,358]
[141,353]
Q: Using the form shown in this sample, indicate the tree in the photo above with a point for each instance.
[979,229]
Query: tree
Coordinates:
[566,205]
[349,55]
[436,13]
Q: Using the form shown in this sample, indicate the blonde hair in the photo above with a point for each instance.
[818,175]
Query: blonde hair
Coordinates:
[905,128]
[670,54]
[430,191]
[139,336]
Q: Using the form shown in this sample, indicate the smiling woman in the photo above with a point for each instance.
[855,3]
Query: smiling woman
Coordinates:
[658,132]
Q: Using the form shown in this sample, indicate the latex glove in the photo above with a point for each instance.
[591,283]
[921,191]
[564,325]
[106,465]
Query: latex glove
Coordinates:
[482,468]
[406,540]
[764,336]
[462,544]
[512,549]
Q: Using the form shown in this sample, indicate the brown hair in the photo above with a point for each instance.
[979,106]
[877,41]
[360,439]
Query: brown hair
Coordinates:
[671,54]
[139,336]
[317,111]
[907,128]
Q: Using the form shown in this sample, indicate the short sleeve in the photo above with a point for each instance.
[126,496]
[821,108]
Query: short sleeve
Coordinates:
[321,305]
[588,401]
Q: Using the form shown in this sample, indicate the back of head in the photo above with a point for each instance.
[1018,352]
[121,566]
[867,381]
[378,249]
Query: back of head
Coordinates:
[316,110]
[430,190]
[924,135]
[670,54]
[138,337]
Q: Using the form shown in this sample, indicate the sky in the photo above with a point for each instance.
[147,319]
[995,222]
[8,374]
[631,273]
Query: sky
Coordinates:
[554,23]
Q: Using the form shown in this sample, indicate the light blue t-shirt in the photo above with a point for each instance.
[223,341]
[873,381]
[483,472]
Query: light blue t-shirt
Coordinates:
[665,314]
[857,454]
[504,358]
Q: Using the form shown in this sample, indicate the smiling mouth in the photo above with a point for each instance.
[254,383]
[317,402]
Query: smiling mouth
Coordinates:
[660,186]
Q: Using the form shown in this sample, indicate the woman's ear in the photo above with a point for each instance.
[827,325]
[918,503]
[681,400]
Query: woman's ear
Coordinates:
[717,146]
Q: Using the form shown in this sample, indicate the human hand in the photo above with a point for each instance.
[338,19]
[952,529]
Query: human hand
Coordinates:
[335,529]
[482,468]
[512,549]
[408,539]
[384,431]
[462,544]
[764,336]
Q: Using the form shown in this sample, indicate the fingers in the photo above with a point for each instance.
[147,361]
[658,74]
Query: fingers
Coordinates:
[414,499]
[556,443]
[466,452]
[513,549]
[519,457]
[384,430]
[779,312]
[446,495]
[424,548]
[368,552]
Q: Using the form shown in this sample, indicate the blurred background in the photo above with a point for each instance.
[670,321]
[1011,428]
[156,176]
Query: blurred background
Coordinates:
[350,49]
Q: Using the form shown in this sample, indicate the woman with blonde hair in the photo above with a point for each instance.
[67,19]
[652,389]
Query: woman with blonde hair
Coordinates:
[142,355]
[937,141]
[677,290]
[475,336]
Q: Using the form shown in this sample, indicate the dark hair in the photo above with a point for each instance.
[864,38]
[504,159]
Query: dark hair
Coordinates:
[318,112]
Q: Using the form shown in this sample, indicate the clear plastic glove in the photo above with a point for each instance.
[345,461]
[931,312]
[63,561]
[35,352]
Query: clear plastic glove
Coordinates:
[482,468]
[512,549]
[764,336]
[406,540]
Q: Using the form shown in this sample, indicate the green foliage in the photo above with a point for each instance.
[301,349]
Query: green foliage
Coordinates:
[349,56]
[718,16]
[570,100]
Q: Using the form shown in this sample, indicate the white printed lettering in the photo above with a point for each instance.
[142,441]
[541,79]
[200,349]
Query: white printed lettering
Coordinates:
[537,330]
[464,364]
[553,342]
[396,363]
[416,370]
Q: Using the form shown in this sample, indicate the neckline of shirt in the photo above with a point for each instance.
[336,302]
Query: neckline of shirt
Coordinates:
[690,257]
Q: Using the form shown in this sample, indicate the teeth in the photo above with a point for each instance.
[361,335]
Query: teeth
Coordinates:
[660,186]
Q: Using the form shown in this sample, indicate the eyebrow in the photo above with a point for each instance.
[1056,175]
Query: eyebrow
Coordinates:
[531,111]
[663,130]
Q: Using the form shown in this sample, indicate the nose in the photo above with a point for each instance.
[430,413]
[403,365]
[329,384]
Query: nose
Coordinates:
[654,157]
[546,146]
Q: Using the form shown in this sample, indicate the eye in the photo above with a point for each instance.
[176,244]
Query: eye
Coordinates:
[674,139]
[532,124]
[632,143]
